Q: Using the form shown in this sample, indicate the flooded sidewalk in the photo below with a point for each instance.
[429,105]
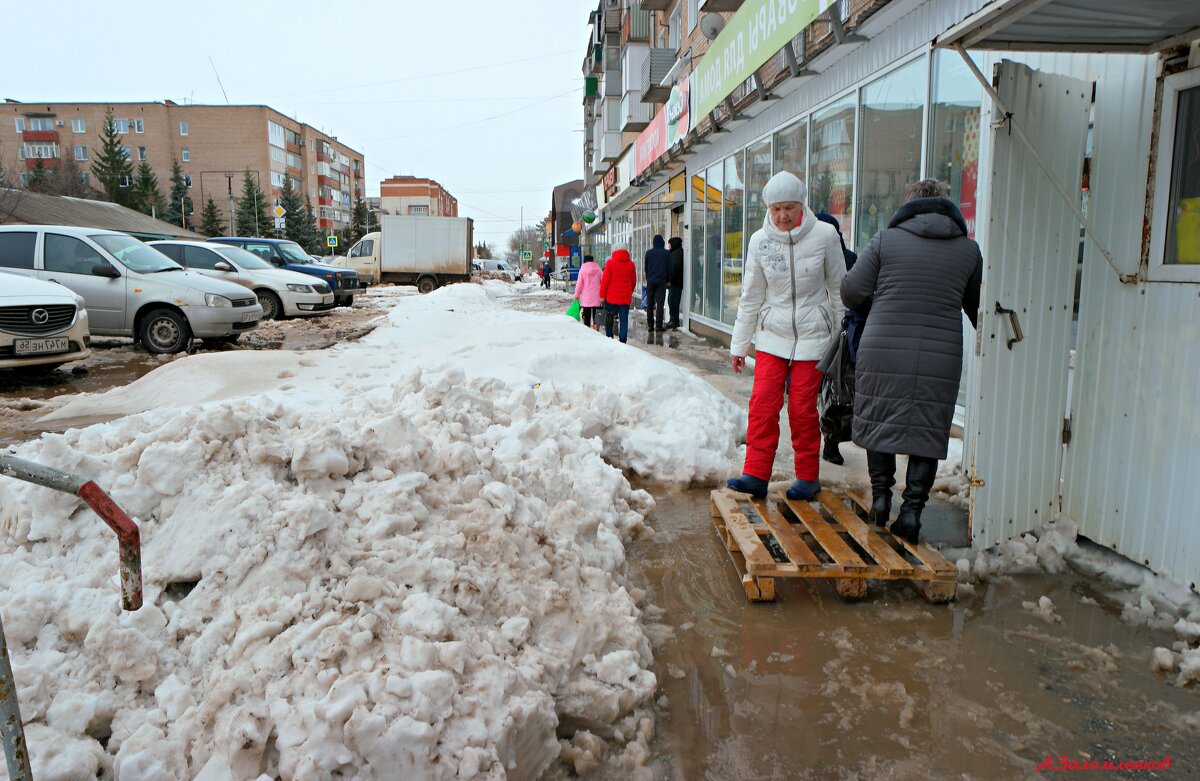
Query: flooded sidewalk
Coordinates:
[811,687]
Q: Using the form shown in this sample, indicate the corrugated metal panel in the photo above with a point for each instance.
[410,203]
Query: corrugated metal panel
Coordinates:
[1030,248]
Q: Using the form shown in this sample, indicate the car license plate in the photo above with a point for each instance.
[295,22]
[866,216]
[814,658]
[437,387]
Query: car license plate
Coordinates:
[40,346]
[249,317]
[327,299]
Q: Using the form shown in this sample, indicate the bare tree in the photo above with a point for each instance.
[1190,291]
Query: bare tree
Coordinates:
[10,192]
[529,238]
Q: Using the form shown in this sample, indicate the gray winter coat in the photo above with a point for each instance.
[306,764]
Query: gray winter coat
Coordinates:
[917,274]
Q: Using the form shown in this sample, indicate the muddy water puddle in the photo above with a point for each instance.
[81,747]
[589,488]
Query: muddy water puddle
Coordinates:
[810,687]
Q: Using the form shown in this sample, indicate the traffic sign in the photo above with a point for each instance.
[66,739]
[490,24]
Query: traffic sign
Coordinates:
[526,254]
[279,212]
[331,241]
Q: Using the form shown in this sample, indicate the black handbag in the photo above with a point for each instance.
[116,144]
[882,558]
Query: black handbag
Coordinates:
[835,398]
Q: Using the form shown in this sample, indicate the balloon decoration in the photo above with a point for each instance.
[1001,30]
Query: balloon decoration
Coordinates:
[589,217]
[577,226]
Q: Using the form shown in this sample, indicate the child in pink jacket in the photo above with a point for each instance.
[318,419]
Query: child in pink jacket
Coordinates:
[587,292]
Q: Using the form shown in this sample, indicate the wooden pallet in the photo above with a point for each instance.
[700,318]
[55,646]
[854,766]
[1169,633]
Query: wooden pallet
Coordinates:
[778,537]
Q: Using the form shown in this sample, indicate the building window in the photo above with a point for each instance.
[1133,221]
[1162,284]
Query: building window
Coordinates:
[20,124]
[138,127]
[889,146]
[126,180]
[78,125]
[42,150]
[274,133]
[277,179]
[676,27]
[790,149]
[141,153]
[693,15]
[187,180]
[418,210]
[41,123]
[758,171]
[81,153]
[1175,234]
[183,128]
[127,152]
[277,155]
[185,154]
[731,259]
[831,161]
[121,125]
[712,242]
[85,177]
[954,131]
[293,160]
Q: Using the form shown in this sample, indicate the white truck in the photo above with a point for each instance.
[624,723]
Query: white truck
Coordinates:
[424,251]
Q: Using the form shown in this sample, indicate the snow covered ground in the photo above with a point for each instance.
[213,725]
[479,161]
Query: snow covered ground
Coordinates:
[397,558]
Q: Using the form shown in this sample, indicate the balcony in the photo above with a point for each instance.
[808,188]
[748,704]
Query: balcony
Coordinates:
[40,135]
[608,145]
[636,26]
[635,115]
[654,70]
[598,166]
[719,5]
[656,5]
[612,18]
[612,83]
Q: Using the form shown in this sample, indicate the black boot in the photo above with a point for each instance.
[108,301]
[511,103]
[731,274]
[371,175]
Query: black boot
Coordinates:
[882,469]
[917,484]
[831,453]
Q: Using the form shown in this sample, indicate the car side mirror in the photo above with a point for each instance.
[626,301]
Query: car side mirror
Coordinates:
[105,270]
[221,265]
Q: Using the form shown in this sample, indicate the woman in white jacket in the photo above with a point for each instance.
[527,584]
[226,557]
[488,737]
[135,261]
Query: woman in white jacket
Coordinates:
[790,291]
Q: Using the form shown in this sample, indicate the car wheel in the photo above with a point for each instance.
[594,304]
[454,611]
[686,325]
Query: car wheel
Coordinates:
[426,285]
[164,331]
[348,302]
[271,305]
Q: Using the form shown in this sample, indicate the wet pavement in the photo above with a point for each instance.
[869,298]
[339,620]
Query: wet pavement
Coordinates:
[811,687]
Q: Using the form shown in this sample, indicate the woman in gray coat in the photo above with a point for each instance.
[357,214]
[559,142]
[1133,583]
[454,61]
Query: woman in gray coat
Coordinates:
[917,275]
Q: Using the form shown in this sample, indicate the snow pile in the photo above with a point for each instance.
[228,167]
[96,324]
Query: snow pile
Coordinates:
[354,566]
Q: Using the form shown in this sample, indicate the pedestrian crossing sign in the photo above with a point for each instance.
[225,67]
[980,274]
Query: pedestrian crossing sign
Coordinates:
[526,254]
[331,241]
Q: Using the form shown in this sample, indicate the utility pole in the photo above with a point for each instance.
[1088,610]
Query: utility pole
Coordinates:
[229,186]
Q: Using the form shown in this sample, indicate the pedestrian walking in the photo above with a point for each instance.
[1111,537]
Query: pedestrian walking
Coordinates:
[616,290]
[916,274]
[675,286]
[657,270]
[546,270]
[852,322]
[587,292]
[794,267]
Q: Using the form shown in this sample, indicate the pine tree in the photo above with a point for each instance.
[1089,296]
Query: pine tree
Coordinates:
[69,180]
[38,180]
[358,220]
[210,222]
[179,203]
[312,242]
[372,221]
[293,214]
[111,166]
[252,216]
[147,198]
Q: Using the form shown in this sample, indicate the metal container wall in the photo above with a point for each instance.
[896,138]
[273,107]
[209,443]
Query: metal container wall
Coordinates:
[439,245]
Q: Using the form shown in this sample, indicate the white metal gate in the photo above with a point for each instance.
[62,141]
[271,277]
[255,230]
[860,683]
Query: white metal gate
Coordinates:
[1030,246]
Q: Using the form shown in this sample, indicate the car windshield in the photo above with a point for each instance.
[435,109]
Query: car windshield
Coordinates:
[293,252]
[242,258]
[135,255]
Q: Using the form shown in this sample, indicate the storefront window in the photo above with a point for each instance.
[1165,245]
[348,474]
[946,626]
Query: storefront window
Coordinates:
[712,243]
[954,131]
[758,163]
[731,262]
[696,225]
[890,147]
[1183,211]
[790,144]
[831,162]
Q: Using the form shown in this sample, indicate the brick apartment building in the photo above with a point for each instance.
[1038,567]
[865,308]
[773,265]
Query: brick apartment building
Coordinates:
[415,195]
[214,145]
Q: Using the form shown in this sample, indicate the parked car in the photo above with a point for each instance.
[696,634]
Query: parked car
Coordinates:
[280,293]
[41,324]
[130,288]
[289,255]
[500,267]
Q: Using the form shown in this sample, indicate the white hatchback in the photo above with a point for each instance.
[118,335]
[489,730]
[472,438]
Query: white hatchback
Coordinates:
[41,324]
[280,292]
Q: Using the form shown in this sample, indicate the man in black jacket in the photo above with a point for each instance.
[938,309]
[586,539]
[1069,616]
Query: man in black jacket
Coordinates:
[658,274]
[675,286]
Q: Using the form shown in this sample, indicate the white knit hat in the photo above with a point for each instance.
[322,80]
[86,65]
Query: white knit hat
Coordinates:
[785,186]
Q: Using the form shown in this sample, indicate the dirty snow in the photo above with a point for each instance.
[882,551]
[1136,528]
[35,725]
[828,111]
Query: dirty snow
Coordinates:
[399,558]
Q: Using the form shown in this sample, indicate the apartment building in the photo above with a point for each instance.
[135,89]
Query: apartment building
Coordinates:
[214,145]
[413,195]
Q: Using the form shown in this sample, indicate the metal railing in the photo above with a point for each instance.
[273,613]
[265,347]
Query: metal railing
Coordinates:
[129,543]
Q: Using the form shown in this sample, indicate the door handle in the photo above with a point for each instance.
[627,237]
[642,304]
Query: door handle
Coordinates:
[1013,323]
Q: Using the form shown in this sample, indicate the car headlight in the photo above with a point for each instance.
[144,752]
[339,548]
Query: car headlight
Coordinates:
[300,288]
[212,299]
[79,302]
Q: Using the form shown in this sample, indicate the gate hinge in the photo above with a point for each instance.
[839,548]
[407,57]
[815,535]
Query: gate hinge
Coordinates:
[976,481]
[1066,431]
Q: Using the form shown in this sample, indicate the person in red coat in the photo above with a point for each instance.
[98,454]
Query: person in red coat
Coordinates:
[616,291]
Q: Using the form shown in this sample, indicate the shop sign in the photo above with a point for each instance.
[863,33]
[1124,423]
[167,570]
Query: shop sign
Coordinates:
[610,182]
[752,36]
[670,124]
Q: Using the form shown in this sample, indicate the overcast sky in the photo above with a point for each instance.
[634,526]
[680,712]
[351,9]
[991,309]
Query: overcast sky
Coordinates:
[483,96]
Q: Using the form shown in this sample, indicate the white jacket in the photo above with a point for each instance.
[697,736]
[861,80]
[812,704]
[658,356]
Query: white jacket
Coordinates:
[791,287]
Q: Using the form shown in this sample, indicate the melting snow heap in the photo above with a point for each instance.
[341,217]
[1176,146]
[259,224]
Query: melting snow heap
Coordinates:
[400,558]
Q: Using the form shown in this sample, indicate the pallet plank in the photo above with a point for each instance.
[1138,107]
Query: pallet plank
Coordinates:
[758,558]
[788,538]
[821,531]
[865,536]
[930,557]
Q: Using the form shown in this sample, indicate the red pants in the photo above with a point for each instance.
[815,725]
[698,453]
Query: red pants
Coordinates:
[762,431]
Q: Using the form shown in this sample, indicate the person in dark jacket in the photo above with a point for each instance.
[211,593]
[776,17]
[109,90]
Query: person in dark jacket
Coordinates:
[917,274]
[657,274]
[852,322]
[675,285]
[546,270]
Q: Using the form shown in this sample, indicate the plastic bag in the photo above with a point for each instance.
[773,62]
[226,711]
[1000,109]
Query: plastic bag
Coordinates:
[573,309]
